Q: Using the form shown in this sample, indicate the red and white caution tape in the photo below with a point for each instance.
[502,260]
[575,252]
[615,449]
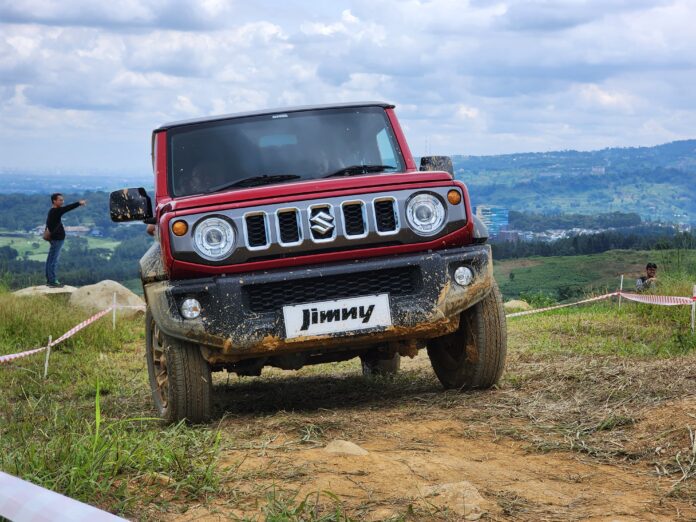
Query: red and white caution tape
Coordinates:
[664,300]
[547,308]
[4,359]
[22,501]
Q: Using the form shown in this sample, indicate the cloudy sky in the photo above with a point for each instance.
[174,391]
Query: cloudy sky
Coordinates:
[82,83]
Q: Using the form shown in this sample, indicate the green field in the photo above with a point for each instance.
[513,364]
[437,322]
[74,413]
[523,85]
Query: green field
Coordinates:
[568,277]
[37,248]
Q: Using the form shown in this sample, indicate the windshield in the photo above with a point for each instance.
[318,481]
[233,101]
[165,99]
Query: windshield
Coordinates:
[277,148]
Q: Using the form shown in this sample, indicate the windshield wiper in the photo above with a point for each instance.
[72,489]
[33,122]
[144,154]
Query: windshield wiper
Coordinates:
[360,169]
[255,181]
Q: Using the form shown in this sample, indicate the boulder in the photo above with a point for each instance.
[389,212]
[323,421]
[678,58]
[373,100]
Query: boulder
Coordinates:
[517,305]
[344,447]
[33,291]
[100,296]
[460,498]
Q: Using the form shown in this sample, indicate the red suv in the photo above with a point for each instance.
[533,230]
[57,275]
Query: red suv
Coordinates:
[308,235]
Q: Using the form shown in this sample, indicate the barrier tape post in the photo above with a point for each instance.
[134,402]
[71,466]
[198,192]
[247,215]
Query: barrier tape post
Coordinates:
[620,290]
[693,309]
[113,317]
[48,354]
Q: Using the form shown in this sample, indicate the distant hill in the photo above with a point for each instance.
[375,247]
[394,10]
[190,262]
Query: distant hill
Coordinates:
[656,182]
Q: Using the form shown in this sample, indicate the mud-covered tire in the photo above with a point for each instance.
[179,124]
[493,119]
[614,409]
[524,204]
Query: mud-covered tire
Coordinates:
[474,355]
[180,378]
[373,366]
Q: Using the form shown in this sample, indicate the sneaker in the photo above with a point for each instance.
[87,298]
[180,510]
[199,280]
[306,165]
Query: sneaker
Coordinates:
[55,285]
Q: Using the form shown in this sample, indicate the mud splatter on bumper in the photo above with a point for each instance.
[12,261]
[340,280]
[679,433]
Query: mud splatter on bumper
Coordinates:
[230,329]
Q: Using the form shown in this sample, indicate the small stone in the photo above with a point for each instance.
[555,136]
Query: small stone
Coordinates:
[461,498]
[344,447]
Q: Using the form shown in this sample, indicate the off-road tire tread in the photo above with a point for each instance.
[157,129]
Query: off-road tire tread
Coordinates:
[490,335]
[190,383]
[190,387]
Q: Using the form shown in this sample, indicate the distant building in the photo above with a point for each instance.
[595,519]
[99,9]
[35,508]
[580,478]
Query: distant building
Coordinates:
[495,218]
[510,235]
[598,170]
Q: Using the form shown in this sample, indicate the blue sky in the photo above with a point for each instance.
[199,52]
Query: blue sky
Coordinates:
[83,83]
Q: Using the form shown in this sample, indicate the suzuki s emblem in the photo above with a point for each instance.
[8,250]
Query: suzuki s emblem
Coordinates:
[322,223]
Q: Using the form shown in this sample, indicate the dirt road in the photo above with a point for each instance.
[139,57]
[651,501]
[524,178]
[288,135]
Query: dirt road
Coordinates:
[564,438]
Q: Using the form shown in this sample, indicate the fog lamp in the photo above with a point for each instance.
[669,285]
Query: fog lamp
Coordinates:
[190,308]
[463,276]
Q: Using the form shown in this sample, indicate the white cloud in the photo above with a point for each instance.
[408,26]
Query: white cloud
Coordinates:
[471,77]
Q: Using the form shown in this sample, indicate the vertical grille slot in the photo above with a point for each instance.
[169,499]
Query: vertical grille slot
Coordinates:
[354,219]
[288,226]
[257,234]
[385,215]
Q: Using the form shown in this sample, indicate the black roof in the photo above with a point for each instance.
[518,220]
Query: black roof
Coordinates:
[280,110]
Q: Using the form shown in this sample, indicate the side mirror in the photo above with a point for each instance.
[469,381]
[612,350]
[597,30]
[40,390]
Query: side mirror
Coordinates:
[437,163]
[132,204]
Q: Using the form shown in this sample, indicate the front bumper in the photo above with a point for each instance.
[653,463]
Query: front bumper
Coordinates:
[242,315]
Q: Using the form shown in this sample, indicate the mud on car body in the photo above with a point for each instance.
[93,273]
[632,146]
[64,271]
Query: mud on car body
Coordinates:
[308,235]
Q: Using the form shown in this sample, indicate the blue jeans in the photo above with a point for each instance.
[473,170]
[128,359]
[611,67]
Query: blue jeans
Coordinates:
[52,260]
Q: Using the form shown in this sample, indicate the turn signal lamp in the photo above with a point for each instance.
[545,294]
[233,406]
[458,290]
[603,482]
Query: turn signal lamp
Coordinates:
[454,197]
[180,228]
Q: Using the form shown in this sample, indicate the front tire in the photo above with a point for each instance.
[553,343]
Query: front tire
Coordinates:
[180,378]
[474,355]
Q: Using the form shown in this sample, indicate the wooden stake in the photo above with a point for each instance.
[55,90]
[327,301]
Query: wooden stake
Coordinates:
[113,311]
[48,354]
[620,290]
[693,310]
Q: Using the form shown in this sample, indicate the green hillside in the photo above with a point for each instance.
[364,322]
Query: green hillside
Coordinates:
[569,277]
[655,182]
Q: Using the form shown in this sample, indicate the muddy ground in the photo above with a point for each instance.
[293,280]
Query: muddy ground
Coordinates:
[565,437]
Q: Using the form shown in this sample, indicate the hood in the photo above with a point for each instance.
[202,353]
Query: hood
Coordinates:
[311,187]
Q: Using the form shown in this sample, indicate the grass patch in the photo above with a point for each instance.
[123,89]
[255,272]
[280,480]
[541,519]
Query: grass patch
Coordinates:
[88,430]
[570,277]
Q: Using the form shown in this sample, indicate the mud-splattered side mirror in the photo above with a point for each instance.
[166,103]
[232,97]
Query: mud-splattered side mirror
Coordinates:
[442,163]
[131,204]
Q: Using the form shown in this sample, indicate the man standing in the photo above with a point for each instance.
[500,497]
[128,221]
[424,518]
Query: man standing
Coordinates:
[648,280]
[54,225]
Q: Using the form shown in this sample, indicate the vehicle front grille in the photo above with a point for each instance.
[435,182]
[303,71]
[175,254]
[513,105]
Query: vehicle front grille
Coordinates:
[354,219]
[385,215]
[268,297]
[256,230]
[288,226]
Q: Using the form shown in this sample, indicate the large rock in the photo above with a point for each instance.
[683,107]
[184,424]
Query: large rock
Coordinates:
[100,295]
[32,291]
[517,305]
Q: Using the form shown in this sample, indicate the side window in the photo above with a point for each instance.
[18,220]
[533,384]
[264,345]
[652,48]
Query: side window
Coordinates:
[386,151]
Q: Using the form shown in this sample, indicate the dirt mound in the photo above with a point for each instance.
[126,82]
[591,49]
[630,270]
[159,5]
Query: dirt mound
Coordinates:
[100,295]
[517,305]
[32,291]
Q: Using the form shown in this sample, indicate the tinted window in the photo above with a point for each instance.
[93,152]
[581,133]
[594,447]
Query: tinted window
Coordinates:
[308,144]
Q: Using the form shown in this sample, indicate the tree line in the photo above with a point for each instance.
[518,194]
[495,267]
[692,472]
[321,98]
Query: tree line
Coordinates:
[595,244]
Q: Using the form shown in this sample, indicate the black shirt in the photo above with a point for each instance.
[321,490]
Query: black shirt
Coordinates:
[53,222]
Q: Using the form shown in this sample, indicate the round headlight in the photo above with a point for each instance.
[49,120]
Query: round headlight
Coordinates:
[213,239]
[425,214]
